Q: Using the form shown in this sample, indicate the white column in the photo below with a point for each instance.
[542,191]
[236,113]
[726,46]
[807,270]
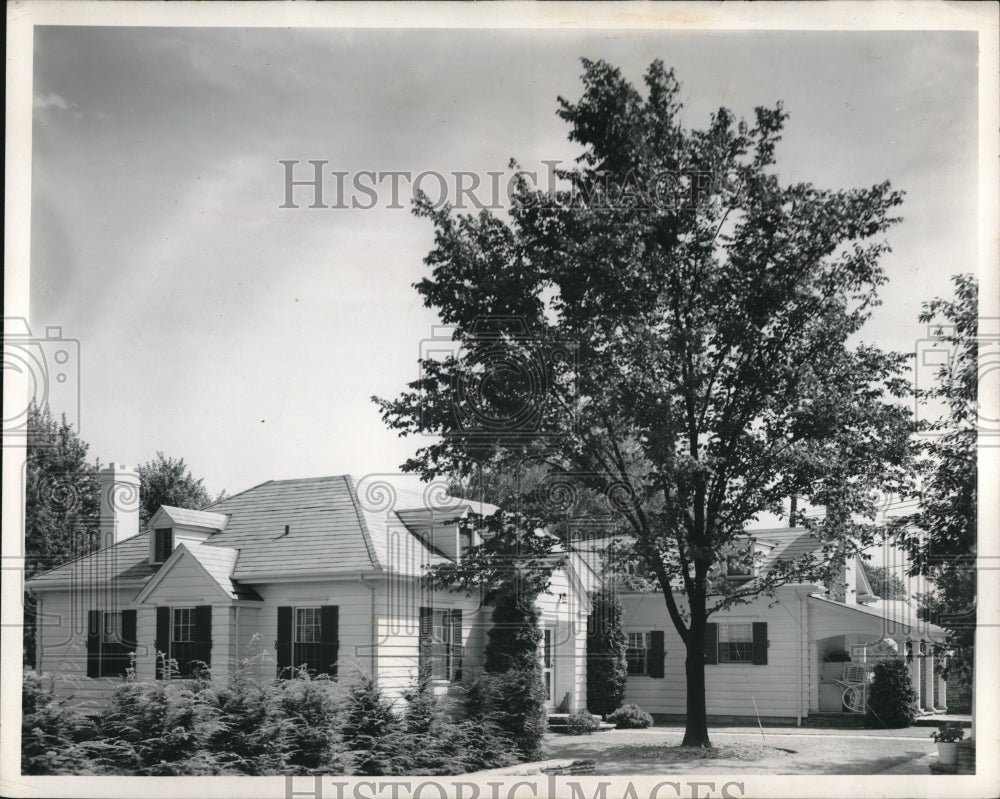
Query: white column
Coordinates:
[915,672]
[942,702]
[928,703]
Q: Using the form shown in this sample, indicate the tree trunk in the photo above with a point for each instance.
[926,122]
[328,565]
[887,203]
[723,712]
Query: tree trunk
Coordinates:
[696,726]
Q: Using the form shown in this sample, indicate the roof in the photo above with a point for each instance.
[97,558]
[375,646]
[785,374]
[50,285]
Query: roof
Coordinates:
[192,518]
[125,562]
[897,611]
[788,544]
[219,562]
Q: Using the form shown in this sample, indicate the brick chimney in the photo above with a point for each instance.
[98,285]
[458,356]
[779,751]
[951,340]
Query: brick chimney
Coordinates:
[119,503]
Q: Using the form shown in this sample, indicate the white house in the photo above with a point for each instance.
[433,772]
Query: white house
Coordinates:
[318,572]
[326,572]
[787,658]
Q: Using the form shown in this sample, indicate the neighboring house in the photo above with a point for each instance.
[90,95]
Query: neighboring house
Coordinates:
[323,573]
[780,658]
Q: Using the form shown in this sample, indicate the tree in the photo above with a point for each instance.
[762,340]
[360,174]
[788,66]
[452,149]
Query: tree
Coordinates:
[607,671]
[885,583]
[677,331]
[62,503]
[940,539]
[168,481]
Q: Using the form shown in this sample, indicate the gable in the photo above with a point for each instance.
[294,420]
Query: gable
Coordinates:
[184,578]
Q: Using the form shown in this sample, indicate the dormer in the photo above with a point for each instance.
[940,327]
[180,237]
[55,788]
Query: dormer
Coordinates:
[440,529]
[171,526]
[743,561]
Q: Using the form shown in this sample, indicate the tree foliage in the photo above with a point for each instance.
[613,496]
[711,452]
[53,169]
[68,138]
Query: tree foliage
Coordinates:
[168,481]
[941,538]
[885,583]
[676,331]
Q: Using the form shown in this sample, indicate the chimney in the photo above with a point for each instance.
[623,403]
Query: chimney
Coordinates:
[119,487]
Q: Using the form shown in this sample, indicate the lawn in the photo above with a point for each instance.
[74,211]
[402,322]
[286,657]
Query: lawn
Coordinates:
[658,751]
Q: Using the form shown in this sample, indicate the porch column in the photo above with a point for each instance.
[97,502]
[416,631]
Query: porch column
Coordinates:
[929,678]
[942,700]
[915,672]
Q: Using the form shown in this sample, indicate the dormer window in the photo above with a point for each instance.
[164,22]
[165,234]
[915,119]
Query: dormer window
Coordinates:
[163,544]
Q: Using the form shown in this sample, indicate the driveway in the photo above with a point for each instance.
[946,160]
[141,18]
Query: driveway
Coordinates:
[748,750]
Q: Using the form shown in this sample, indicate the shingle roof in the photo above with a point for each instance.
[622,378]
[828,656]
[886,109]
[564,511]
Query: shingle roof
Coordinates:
[127,561]
[889,610]
[219,563]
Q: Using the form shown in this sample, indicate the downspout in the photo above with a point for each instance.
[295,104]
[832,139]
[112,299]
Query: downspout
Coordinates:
[372,632]
[801,625]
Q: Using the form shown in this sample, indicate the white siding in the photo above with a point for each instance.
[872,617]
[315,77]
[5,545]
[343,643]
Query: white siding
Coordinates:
[62,643]
[731,689]
[562,609]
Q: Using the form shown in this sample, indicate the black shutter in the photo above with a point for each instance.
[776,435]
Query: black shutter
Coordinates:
[711,644]
[94,643]
[162,644]
[283,644]
[129,640]
[760,643]
[329,640]
[654,658]
[424,643]
[456,645]
[202,650]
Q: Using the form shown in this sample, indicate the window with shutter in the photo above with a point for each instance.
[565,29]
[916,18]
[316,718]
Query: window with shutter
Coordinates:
[308,638]
[440,644]
[110,642]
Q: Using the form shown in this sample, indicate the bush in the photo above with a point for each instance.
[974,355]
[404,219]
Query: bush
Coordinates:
[368,728]
[892,702]
[513,638]
[630,717]
[53,737]
[306,717]
[582,723]
[607,671]
[514,701]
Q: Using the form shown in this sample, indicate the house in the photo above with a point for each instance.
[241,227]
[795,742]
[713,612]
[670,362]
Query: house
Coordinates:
[325,573]
[322,573]
[787,658]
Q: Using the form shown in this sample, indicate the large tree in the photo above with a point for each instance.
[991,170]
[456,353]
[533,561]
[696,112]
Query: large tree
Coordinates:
[678,330]
[62,503]
[941,538]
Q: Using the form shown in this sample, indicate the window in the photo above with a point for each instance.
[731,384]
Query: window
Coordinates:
[306,644]
[546,658]
[636,654]
[440,644]
[183,639]
[110,642]
[308,638]
[163,544]
[735,643]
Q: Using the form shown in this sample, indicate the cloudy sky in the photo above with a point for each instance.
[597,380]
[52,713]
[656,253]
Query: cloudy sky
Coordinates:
[246,338]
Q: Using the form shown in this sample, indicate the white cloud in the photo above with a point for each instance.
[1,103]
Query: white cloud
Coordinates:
[51,100]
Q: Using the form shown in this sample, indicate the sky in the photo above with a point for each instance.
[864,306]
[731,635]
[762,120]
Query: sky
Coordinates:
[247,338]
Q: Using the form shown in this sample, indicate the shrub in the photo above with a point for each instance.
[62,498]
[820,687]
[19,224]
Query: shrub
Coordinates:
[514,701]
[582,723]
[513,638]
[367,720]
[53,737]
[307,713]
[892,702]
[607,672]
[630,717]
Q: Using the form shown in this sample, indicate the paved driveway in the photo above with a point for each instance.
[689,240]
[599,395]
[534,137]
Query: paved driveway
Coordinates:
[776,751]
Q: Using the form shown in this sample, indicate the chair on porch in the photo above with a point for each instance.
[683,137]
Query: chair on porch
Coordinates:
[854,682]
